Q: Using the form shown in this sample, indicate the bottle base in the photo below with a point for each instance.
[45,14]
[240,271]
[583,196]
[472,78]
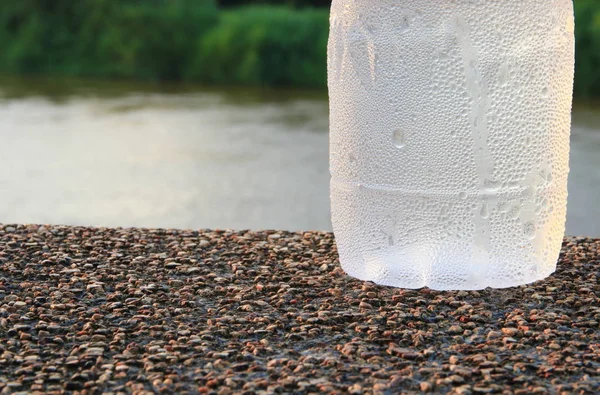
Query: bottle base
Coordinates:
[467,280]
[447,241]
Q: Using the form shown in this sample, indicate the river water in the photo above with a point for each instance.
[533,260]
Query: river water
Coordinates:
[82,152]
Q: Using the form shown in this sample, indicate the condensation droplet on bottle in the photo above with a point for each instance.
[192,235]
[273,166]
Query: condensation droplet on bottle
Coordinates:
[404,24]
[515,212]
[529,230]
[391,240]
[399,138]
[527,192]
[485,212]
[491,185]
[462,195]
[502,207]
[503,74]
[545,93]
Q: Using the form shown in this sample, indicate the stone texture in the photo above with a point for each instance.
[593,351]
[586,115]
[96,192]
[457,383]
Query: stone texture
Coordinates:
[91,310]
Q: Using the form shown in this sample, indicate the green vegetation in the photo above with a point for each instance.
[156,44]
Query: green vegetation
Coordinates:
[195,40]
[264,45]
[151,39]
[587,48]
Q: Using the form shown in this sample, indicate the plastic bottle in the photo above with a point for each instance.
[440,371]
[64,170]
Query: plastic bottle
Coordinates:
[449,139]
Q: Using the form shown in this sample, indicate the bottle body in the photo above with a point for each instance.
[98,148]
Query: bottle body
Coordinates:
[449,139]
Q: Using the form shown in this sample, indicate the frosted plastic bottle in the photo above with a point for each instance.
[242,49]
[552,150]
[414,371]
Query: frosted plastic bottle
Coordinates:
[449,139]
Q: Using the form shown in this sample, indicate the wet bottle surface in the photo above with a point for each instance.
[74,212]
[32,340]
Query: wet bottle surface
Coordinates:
[449,139]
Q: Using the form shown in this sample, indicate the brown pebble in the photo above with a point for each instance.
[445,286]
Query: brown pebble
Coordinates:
[455,330]
[509,331]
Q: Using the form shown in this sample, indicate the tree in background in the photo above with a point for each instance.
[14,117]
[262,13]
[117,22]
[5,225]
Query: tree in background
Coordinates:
[587,47]
[149,39]
[265,45]
[292,3]
[267,42]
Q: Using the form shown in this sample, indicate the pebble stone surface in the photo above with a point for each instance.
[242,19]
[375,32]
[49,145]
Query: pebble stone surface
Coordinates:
[97,310]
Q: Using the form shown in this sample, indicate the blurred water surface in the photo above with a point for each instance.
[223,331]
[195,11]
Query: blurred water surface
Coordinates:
[84,152]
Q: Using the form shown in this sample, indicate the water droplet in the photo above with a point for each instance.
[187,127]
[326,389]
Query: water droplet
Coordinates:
[529,230]
[503,207]
[503,77]
[404,24]
[485,213]
[462,195]
[491,185]
[443,56]
[533,269]
[527,193]
[515,212]
[391,240]
[399,138]
[545,92]
[351,157]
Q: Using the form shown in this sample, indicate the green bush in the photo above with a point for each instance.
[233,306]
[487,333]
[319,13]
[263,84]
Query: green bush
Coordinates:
[587,48]
[291,3]
[153,42]
[151,39]
[264,45]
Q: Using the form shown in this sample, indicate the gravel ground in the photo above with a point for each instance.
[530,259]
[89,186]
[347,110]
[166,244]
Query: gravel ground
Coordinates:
[91,310]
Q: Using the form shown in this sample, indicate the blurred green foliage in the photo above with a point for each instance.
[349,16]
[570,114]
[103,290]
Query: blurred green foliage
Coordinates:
[265,45]
[291,3]
[194,40]
[587,48]
[150,39]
